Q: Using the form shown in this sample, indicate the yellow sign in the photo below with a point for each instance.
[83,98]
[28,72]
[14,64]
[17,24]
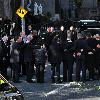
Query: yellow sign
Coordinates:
[1,81]
[21,12]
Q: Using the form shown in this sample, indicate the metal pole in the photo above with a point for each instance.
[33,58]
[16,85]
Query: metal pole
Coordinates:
[23,19]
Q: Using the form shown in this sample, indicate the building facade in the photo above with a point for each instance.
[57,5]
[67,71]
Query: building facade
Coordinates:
[5,8]
[89,9]
[65,8]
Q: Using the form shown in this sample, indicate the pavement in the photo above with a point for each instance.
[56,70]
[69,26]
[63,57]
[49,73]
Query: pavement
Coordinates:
[89,90]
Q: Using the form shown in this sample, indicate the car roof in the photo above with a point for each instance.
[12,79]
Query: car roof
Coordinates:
[87,21]
[92,31]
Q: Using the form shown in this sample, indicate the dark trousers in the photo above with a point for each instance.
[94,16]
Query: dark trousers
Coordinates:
[29,70]
[55,71]
[22,69]
[80,66]
[15,75]
[90,61]
[68,70]
[40,72]
[5,64]
[97,64]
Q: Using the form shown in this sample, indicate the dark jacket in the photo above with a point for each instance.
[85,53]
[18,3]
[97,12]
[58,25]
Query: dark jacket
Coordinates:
[15,53]
[67,50]
[81,46]
[55,52]
[6,50]
[40,55]
[28,52]
[1,52]
[98,53]
[92,43]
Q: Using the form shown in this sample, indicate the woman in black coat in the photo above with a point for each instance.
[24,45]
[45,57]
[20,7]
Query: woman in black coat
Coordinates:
[55,56]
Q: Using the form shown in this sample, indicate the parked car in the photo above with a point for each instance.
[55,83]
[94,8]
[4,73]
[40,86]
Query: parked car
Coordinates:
[92,31]
[8,91]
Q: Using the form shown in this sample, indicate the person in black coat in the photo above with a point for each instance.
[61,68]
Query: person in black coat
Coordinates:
[55,56]
[40,60]
[48,40]
[1,59]
[15,58]
[90,56]
[81,48]
[97,55]
[72,34]
[23,67]
[6,54]
[29,29]
[28,58]
[67,56]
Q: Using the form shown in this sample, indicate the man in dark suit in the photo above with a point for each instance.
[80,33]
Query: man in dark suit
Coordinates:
[90,57]
[28,58]
[97,56]
[5,55]
[72,34]
[67,56]
[81,48]
[55,57]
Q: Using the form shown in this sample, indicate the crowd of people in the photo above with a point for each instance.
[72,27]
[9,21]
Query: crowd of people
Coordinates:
[70,47]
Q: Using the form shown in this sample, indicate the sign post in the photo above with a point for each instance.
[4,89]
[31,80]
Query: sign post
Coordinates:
[23,19]
[21,12]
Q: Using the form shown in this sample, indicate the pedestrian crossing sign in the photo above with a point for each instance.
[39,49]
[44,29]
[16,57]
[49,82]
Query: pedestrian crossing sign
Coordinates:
[21,12]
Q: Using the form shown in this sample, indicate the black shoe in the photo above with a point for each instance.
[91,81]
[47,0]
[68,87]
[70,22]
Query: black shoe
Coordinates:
[83,81]
[30,81]
[53,80]
[70,80]
[40,81]
[91,79]
[20,75]
[59,81]
[64,80]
